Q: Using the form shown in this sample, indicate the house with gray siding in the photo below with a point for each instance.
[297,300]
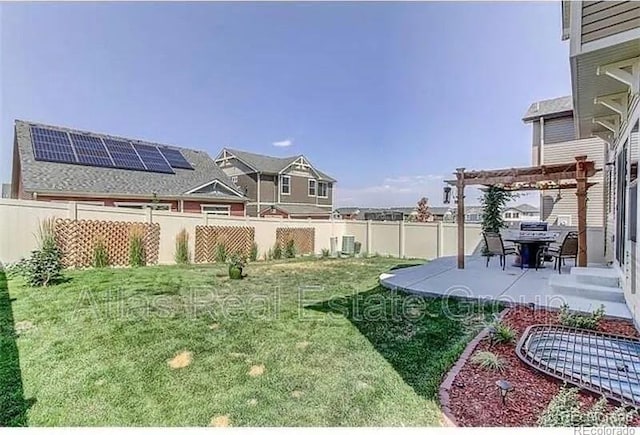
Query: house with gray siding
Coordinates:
[604,59]
[279,186]
[554,140]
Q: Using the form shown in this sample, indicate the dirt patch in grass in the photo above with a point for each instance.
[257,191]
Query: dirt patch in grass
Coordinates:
[302,345]
[181,360]
[474,397]
[256,370]
[220,421]
[23,326]
[214,326]
[297,394]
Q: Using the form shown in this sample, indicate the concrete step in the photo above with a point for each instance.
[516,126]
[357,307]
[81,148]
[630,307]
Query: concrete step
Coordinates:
[597,276]
[568,285]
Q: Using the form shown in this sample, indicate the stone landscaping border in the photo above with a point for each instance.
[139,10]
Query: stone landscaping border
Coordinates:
[443,392]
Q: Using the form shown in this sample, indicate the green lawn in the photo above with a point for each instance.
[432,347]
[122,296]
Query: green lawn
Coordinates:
[332,347]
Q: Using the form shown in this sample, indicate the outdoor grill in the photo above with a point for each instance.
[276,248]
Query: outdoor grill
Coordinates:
[605,364]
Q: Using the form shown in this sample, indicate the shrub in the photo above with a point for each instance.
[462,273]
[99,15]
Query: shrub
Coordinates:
[277,252]
[221,253]
[269,254]
[504,333]
[290,249]
[488,360]
[182,255]
[100,254]
[253,255]
[44,266]
[576,320]
[136,247]
[564,410]
[325,253]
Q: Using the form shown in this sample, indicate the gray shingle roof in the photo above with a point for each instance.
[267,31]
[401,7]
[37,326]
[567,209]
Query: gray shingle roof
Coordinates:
[526,208]
[554,106]
[300,209]
[39,176]
[269,164]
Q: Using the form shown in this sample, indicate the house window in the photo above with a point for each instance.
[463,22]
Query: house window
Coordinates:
[312,187]
[323,189]
[516,214]
[234,179]
[218,210]
[285,185]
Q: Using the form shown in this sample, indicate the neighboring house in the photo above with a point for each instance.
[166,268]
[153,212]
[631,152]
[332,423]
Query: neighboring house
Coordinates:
[438,214]
[555,141]
[61,164]
[279,186]
[6,190]
[521,213]
[604,50]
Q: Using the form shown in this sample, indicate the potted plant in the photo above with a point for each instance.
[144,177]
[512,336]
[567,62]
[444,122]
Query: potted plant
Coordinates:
[236,264]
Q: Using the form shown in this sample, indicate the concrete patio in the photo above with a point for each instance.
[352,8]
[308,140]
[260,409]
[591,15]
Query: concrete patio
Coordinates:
[441,277]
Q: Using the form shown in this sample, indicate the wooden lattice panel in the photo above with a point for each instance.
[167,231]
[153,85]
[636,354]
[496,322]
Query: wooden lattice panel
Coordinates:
[76,240]
[303,239]
[236,240]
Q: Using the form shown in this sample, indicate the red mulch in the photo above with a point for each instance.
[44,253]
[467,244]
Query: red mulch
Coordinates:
[474,397]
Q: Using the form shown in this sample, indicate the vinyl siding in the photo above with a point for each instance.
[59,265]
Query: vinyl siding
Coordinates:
[565,152]
[605,18]
[268,190]
[559,130]
[535,143]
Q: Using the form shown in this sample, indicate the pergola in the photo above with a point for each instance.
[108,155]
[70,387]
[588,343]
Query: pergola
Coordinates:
[573,175]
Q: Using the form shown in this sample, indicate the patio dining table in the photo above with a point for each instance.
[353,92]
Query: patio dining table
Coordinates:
[529,248]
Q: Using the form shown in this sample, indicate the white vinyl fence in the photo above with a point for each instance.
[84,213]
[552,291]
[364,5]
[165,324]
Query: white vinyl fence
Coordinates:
[19,220]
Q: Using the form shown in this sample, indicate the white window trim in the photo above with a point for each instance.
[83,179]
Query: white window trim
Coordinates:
[234,179]
[282,177]
[327,189]
[142,205]
[214,213]
[315,187]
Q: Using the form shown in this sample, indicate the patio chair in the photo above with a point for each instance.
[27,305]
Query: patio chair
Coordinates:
[495,246]
[568,249]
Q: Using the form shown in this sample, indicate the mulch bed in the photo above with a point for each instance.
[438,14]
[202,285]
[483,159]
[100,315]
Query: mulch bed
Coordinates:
[475,399]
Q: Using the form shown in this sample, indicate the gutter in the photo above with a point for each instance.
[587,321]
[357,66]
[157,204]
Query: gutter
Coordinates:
[133,196]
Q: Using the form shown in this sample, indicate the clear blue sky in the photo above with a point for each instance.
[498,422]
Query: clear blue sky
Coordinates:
[386,97]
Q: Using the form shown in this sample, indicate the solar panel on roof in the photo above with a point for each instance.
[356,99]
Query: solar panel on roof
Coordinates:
[90,150]
[123,154]
[52,145]
[175,158]
[152,158]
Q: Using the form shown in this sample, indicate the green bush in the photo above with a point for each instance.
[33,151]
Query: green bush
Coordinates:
[290,249]
[576,320]
[488,360]
[221,253]
[564,410]
[100,253]
[326,253]
[504,334]
[136,247]
[253,255]
[182,255]
[44,266]
[277,252]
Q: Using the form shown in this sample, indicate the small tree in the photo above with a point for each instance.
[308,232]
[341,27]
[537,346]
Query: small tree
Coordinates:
[493,203]
[424,215]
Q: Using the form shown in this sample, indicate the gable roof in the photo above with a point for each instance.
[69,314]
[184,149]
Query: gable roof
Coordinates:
[525,208]
[555,106]
[53,177]
[298,209]
[268,164]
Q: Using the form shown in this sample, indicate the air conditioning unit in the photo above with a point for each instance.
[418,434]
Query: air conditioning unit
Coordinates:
[564,220]
[333,242]
[348,245]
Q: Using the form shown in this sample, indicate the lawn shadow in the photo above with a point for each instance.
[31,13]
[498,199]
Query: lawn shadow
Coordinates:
[13,406]
[420,337]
